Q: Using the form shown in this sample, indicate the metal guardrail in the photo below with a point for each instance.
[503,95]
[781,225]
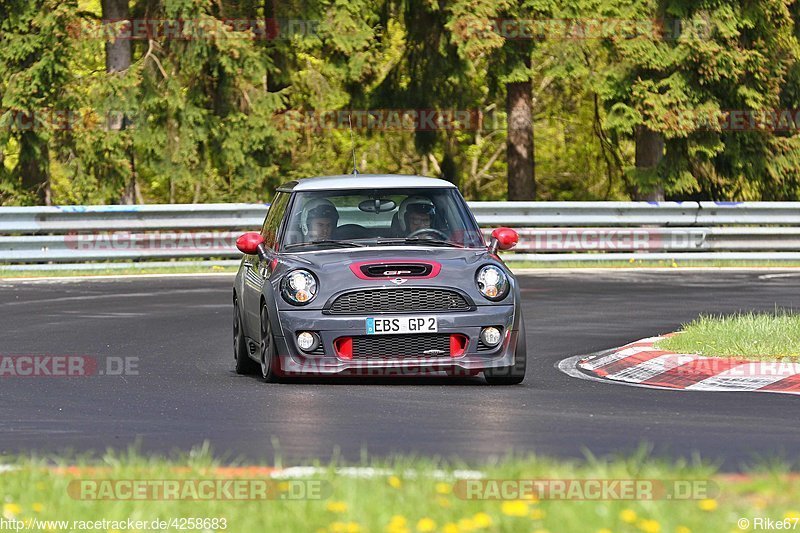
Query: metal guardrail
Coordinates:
[37,237]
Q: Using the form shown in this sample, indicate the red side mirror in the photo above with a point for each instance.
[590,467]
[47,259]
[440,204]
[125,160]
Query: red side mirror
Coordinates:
[506,238]
[248,243]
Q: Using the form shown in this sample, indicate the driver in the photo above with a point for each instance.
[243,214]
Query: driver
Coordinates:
[416,213]
[318,220]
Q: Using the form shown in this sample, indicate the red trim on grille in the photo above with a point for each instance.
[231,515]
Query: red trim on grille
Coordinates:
[458,345]
[344,347]
[356,268]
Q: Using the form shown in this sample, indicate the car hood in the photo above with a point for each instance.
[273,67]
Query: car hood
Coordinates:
[454,267]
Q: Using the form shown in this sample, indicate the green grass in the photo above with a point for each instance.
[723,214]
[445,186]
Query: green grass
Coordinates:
[188,269]
[411,498]
[516,265]
[751,335]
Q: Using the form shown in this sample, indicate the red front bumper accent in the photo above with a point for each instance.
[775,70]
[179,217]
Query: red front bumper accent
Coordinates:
[344,346]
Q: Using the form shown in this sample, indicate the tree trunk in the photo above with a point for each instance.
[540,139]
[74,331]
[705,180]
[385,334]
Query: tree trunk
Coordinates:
[649,152]
[33,165]
[118,52]
[519,142]
[118,59]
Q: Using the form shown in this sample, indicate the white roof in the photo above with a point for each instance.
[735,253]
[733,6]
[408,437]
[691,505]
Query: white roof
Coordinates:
[368,181]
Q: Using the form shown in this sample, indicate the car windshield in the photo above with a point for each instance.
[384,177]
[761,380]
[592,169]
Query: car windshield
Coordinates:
[431,217]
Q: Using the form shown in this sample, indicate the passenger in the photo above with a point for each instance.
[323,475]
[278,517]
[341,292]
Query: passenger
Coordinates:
[318,220]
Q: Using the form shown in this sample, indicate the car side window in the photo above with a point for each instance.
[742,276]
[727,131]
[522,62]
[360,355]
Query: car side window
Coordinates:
[273,221]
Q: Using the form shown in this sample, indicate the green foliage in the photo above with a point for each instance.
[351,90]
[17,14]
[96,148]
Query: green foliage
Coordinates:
[228,115]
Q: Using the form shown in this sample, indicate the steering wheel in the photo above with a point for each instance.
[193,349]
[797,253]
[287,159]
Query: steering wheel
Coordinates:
[428,230]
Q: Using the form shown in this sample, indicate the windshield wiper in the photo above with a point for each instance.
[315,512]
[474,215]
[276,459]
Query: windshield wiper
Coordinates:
[324,241]
[419,240]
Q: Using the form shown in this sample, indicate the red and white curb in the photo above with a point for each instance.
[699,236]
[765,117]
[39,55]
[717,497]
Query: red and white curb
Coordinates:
[640,363]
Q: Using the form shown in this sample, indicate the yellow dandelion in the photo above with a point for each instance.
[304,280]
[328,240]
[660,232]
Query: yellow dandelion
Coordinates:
[450,527]
[336,507]
[353,527]
[338,527]
[395,482]
[397,524]
[37,507]
[792,515]
[628,516]
[482,520]
[708,504]
[604,530]
[682,529]
[283,486]
[514,508]
[467,524]
[444,488]
[649,526]
[540,531]
[10,510]
[426,524]
[536,514]
[443,502]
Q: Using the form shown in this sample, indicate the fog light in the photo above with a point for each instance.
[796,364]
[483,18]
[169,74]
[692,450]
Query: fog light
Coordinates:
[490,336]
[307,341]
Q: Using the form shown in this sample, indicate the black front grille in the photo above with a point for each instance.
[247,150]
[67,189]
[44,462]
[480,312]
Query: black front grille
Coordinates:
[482,347]
[401,346]
[319,350]
[399,301]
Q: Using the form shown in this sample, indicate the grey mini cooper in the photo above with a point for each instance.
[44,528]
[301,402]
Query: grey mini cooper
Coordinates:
[376,275]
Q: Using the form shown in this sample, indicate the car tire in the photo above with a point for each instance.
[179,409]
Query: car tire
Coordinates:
[514,374]
[244,364]
[270,370]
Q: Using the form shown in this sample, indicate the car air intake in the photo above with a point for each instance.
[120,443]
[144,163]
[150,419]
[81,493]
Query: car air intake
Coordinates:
[413,346]
[402,270]
[399,301]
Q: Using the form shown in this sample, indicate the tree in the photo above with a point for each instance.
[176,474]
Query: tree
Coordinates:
[714,60]
[118,61]
[34,68]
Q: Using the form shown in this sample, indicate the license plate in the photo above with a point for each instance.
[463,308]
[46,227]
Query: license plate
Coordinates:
[405,324]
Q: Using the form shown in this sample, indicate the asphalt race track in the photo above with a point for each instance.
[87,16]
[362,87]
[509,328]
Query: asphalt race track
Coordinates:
[186,392]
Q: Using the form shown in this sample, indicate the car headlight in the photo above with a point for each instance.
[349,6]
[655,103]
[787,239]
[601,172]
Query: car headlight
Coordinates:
[299,287]
[492,282]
